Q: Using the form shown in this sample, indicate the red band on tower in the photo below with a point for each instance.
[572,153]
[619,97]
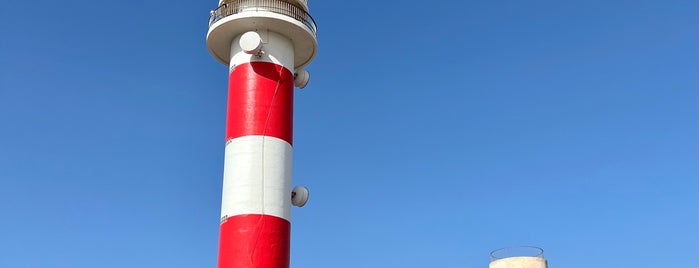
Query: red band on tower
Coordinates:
[260,101]
[254,240]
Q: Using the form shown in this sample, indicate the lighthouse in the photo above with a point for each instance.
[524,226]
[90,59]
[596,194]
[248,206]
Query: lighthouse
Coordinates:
[265,44]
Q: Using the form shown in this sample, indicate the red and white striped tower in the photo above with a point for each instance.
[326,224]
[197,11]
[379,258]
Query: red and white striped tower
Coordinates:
[266,43]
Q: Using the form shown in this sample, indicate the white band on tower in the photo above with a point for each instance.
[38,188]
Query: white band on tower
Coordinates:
[257,181]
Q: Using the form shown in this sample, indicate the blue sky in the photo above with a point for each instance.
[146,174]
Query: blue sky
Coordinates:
[429,135]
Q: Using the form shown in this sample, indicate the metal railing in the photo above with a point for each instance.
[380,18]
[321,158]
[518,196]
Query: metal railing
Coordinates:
[274,6]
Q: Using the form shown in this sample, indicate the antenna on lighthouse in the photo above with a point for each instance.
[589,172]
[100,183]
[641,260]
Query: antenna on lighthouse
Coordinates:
[301,78]
[299,196]
[251,43]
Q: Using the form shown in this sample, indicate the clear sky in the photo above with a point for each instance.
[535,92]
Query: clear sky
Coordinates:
[430,134]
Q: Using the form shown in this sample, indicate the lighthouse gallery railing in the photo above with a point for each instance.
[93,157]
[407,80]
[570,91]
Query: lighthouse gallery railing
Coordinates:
[274,6]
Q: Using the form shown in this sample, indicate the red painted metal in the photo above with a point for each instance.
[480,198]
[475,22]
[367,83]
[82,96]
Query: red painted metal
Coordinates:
[254,240]
[260,101]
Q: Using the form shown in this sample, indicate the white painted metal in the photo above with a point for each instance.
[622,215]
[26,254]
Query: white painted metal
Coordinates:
[276,49]
[221,33]
[301,78]
[304,4]
[250,43]
[257,177]
[299,196]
